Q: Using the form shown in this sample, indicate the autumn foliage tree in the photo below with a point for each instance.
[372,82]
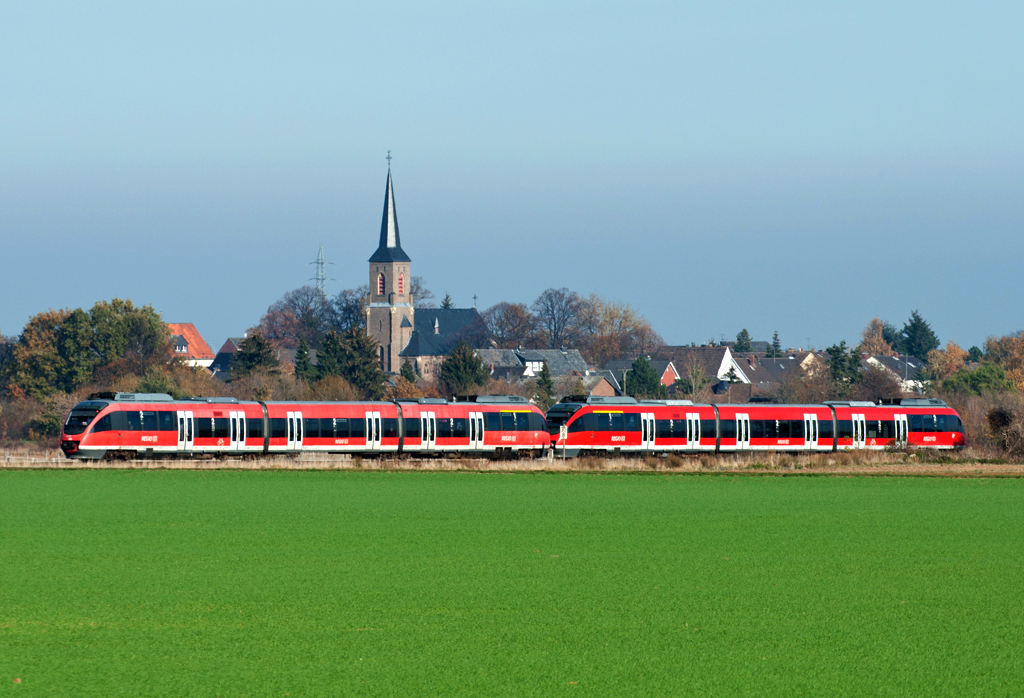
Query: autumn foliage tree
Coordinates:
[873,339]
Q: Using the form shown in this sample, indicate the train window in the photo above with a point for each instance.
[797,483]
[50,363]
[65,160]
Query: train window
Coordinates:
[166,421]
[796,428]
[103,424]
[632,422]
[254,428]
[312,428]
[728,428]
[888,429]
[357,428]
[782,430]
[204,428]
[954,424]
[590,422]
[522,421]
[576,425]
[325,426]
[389,428]
[148,421]
[444,428]
[493,421]
[845,429]
[412,428]
[278,428]
[341,428]
[914,422]
[940,423]
[873,429]
[707,429]
[617,421]
[508,421]
[133,421]
[221,428]
[663,428]
[825,429]
[756,428]
[537,422]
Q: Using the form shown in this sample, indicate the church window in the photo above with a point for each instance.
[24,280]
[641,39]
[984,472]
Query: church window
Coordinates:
[401,284]
[380,284]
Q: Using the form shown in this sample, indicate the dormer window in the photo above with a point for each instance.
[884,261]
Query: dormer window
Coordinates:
[380,284]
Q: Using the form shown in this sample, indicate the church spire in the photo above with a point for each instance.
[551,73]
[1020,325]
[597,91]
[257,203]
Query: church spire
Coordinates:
[390,248]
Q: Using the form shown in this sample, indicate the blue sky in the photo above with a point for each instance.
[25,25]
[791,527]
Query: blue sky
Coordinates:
[799,167]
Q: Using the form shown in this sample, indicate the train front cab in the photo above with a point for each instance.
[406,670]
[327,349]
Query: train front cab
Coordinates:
[477,425]
[897,423]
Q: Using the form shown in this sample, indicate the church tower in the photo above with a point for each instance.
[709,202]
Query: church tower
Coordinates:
[389,317]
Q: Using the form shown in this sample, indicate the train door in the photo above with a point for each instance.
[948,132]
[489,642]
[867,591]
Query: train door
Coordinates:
[692,431]
[428,429]
[901,430]
[237,430]
[373,431]
[185,433]
[647,431]
[811,431]
[859,429]
[742,432]
[294,431]
[476,431]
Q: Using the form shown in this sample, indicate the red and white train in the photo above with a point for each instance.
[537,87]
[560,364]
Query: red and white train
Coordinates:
[623,425]
[156,425]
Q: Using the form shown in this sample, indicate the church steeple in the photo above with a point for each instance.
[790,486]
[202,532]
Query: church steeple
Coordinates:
[390,247]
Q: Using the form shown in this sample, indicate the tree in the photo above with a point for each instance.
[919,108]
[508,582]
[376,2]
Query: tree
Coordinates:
[743,341]
[986,379]
[422,297]
[873,339]
[303,313]
[694,383]
[974,354]
[350,309]
[511,325]
[447,303]
[304,369]
[461,370]
[642,382]
[844,367]
[1008,352]
[557,311]
[354,357]
[876,383]
[254,355]
[942,363]
[545,395]
[775,348]
[604,331]
[918,338]
[407,372]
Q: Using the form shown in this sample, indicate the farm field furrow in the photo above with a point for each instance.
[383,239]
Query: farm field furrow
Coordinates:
[399,583]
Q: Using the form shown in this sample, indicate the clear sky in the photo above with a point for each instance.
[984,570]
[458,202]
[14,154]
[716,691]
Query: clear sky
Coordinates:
[799,167]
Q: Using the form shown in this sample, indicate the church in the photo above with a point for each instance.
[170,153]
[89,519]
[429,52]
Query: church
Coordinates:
[404,333]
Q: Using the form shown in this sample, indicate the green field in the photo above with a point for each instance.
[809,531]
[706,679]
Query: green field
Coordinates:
[312,584]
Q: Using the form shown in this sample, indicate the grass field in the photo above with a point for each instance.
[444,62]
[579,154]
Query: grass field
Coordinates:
[327,583]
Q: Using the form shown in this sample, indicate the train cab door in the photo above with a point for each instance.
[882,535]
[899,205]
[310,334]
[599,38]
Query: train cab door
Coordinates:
[476,431]
[742,432]
[647,431]
[185,431]
[692,431]
[372,431]
[428,430]
[859,429]
[811,431]
[901,430]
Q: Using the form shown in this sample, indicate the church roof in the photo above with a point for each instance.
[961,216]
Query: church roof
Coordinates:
[438,330]
[390,247]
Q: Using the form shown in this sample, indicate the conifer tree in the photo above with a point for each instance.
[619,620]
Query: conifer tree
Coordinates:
[743,341]
[642,381]
[255,353]
[304,369]
[353,357]
[545,396]
[844,367]
[918,338]
[408,373]
[462,369]
[447,303]
[775,348]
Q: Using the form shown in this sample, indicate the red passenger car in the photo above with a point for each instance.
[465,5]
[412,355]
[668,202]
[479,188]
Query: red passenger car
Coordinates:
[156,425]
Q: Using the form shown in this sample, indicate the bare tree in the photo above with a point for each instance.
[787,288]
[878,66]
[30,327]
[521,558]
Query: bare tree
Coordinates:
[350,309]
[422,297]
[557,311]
[300,314]
[511,325]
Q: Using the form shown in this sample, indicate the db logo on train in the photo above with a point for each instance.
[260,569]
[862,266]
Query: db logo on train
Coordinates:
[220,442]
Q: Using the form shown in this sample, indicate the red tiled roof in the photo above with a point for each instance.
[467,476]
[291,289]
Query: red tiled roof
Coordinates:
[197,346]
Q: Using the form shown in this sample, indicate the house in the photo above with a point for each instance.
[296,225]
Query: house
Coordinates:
[903,368]
[221,365]
[665,369]
[560,362]
[716,363]
[755,347]
[438,331]
[188,345]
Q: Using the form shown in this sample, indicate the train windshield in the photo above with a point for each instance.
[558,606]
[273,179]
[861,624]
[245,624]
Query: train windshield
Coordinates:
[557,416]
[81,416]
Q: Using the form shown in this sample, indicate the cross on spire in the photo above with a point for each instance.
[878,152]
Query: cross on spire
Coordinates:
[388,158]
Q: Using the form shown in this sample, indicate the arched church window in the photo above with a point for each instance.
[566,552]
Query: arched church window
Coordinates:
[380,284]
[401,284]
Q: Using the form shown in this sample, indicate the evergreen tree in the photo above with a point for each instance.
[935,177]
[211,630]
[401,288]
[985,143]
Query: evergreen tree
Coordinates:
[408,373]
[255,354]
[844,367]
[447,303]
[775,348]
[545,396]
[974,354]
[986,379]
[74,340]
[462,369]
[892,336]
[918,338]
[354,357]
[304,369]
[743,341]
[642,382]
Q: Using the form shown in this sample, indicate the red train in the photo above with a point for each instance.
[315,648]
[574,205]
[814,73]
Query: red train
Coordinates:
[157,425]
[623,425]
